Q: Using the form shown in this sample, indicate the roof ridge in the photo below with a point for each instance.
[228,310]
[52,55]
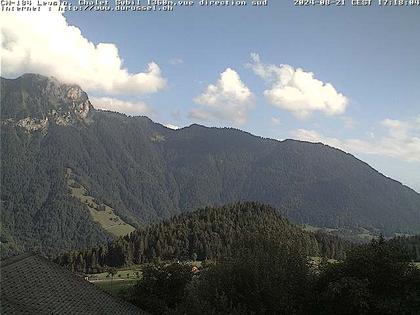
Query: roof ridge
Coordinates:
[15,259]
[51,288]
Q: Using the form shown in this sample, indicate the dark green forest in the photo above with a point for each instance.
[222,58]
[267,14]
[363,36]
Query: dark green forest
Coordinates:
[263,275]
[411,244]
[147,172]
[254,259]
[206,234]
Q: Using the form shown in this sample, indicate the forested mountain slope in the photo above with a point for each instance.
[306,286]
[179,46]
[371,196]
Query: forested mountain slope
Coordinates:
[209,233]
[146,172]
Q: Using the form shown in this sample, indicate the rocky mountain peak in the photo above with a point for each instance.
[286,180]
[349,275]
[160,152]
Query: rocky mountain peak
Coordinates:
[33,102]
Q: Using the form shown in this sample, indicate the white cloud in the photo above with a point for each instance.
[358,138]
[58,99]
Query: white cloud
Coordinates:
[170,126]
[116,105]
[44,43]
[400,140]
[227,100]
[298,91]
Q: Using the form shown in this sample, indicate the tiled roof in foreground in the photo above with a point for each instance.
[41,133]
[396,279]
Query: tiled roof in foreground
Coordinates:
[34,285]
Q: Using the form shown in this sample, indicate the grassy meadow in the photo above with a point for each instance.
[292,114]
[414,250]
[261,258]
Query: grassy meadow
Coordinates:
[100,212]
[116,286]
[123,279]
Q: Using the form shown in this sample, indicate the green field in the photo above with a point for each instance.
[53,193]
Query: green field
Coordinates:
[100,212]
[311,228]
[126,274]
[116,286]
[123,279]
[360,234]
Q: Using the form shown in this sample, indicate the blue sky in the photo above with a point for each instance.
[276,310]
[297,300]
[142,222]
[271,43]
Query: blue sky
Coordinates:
[345,76]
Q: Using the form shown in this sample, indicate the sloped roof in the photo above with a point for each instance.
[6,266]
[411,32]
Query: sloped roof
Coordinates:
[31,284]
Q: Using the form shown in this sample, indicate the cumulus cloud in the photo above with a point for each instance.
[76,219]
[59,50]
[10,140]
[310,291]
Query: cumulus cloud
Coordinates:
[401,139]
[45,43]
[116,105]
[298,91]
[227,100]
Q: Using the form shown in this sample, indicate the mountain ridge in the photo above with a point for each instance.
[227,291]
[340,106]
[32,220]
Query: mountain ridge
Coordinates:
[148,172]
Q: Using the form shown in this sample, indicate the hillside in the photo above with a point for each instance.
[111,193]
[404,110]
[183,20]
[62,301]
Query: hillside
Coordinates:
[411,244]
[209,233]
[146,172]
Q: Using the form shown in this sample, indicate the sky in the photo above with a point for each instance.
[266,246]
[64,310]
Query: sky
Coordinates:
[345,76]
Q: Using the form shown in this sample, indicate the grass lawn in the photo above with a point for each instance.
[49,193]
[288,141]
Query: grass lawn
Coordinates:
[123,279]
[133,273]
[116,286]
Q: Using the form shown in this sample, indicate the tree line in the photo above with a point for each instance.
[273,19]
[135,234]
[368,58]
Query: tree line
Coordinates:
[410,243]
[265,276]
[206,234]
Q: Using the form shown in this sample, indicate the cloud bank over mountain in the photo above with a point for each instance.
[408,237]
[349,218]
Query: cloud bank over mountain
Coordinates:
[45,43]
[400,140]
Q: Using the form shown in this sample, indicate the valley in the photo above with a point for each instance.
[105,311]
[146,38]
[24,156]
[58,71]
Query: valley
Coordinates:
[140,172]
[203,157]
